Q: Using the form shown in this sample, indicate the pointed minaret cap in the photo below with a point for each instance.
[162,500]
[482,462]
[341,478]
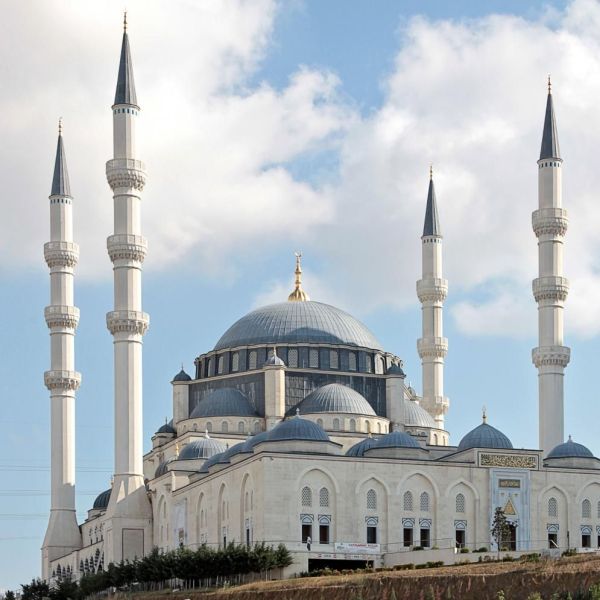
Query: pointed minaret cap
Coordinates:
[431,226]
[60,180]
[298,295]
[550,148]
[125,93]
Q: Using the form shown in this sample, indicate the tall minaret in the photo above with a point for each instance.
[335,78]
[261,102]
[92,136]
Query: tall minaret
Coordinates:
[61,254]
[432,290]
[129,514]
[550,289]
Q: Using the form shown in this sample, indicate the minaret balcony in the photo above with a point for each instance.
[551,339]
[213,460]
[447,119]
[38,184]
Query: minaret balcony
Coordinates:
[550,288]
[127,247]
[553,356]
[62,380]
[432,289]
[436,405]
[550,221]
[433,347]
[61,254]
[127,321]
[66,317]
[126,173]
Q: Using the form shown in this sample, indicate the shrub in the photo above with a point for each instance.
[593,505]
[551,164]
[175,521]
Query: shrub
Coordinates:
[417,548]
[464,551]
[406,567]
[569,552]
[483,549]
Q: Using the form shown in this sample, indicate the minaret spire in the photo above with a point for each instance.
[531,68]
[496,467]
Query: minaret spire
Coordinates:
[432,290]
[298,295]
[550,289]
[128,513]
[61,254]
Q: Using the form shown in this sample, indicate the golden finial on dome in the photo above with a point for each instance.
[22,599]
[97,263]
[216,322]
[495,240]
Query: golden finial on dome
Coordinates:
[298,295]
[176,449]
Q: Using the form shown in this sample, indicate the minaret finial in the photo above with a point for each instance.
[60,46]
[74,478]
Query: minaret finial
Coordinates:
[484,414]
[60,126]
[549,84]
[430,171]
[298,295]
[125,21]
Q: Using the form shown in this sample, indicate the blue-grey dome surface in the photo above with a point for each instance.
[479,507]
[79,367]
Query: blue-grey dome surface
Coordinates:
[570,449]
[213,460]
[235,449]
[101,501]
[224,402]
[182,376]
[253,440]
[334,398]
[484,436]
[274,361]
[297,429]
[167,428]
[359,449]
[397,439]
[163,467]
[416,416]
[204,448]
[298,322]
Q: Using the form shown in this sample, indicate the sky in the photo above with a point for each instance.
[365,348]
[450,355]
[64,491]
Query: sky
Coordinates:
[271,127]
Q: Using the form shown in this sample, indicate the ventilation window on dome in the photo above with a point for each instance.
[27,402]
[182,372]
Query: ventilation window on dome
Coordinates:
[352,361]
[235,362]
[313,358]
[241,427]
[336,424]
[379,365]
[293,358]
[334,361]
[221,365]
[252,360]
[352,425]
[368,363]
[224,427]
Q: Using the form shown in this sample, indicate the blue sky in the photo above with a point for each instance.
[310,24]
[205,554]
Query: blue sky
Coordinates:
[277,127]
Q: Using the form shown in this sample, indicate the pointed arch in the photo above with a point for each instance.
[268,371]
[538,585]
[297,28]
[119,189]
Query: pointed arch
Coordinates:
[461,481]
[321,470]
[367,478]
[431,482]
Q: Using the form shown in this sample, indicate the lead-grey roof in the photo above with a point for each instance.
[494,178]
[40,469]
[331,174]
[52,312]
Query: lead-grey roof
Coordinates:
[549,147]
[125,93]
[101,501]
[432,220]
[298,322]
[182,376]
[297,429]
[570,449]
[416,416]
[359,448]
[203,448]
[60,180]
[163,467]
[334,398]
[484,436]
[167,428]
[397,439]
[224,402]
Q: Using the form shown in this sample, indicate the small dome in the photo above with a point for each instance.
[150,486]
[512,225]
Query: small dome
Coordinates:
[182,376]
[297,429]
[101,501]
[162,467]
[416,416]
[225,457]
[396,370]
[396,439]
[224,402]
[213,460]
[274,360]
[253,440]
[570,449]
[335,398]
[484,436]
[167,428]
[204,448]
[359,449]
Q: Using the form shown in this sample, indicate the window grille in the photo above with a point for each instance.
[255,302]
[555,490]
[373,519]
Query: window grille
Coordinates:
[220,364]
[424,502]
[334,361]
[306,496]
[293,358]
[408,501]
[369,363]
[460,503]
[352,425]
[252,360]
[336,424]
[552,507]
[323,497]
[352,361]
[235,362]
[371,500]
[313,358]
[586,509]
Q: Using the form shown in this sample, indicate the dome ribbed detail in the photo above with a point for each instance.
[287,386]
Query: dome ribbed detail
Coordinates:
[253,440]
[182,376]
[359,449]
[416,416]
[204,448]
[297,429]
[397,439]
[235,449]
[335,398]
[224,402]
[101,501]
[570,449]
[485,436]
[295,323]
[213,460]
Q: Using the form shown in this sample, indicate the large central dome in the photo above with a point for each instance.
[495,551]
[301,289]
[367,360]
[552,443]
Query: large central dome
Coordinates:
[297,323]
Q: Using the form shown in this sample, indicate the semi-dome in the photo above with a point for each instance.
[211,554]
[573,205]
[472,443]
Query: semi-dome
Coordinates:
[167,428]
[484,436]
[102,499]
[163,467]
[335,398]
[416,416]
[570,449]
[396,439]
[204,448]
[360,448]
[297,429]
[298,322]
[225,402]
[182,376]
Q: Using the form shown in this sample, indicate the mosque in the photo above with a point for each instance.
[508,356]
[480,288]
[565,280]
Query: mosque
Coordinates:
[298,426]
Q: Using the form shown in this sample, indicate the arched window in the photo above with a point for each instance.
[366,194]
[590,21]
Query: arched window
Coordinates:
[408,501]
[378,427]
[368,426]
[424,502]
[252,360]
[435,439]
[586,509]
[208,426]
[379,365]
[352,361]
[246,501]
[220,364]
[368,363]
[320,422]
[235,362]
[324,497]
[336,424]
[241,427]
[334,361]
[460,503]
[293,358]
[306,496]
[352,425]
[313,358]
[224,427]
[371,500]
[256,426]
[552,507]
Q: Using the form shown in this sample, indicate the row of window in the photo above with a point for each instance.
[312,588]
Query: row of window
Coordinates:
[551,163]
[241,427]
[129,111]
[586,508]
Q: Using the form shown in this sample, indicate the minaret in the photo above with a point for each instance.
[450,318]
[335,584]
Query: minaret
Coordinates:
[129,514]
[550,289]
[432,290]
[61,254]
